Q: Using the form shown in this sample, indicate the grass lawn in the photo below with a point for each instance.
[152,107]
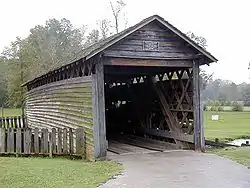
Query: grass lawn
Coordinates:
[8,112]
[229,108]
[231,125]
[57,172]
[240,155]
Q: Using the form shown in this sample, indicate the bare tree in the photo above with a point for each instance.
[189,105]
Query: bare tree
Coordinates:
[104,27]
[201,41]
[116,11]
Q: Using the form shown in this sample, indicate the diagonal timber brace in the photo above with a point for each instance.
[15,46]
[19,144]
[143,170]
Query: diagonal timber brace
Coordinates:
[171,121]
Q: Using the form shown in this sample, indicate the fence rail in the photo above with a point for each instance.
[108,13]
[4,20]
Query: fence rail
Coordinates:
[42,141]
[13,122]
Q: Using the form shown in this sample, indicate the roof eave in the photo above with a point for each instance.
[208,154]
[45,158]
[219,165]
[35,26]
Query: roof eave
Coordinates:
[184,37]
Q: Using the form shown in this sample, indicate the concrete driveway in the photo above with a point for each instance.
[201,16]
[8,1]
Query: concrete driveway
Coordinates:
[182,169]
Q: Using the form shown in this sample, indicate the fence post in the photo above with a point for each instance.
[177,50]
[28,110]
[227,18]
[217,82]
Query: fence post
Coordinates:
[65,141]
[27,141]
[12,140]
[70,141]
[36,141]
[53,140]
[80,150]
[18,140]
[50,145]
[59,144]
[8,140]
[45,141]
[3,137]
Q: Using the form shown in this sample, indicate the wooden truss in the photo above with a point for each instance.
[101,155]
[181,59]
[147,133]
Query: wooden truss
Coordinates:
[162,103]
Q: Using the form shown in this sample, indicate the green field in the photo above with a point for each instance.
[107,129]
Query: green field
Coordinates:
[229,108]
[240,155]
[8,112]
[46,172]
[231,125]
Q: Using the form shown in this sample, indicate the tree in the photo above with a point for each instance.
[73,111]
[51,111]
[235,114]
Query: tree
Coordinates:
[15,70]
[3,82]
[246,95]
[237,107]
[48,46]
[116,12]
[201,41]
[104,27]
[92,38]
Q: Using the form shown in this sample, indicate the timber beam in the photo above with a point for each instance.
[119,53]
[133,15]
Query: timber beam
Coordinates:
[148,62]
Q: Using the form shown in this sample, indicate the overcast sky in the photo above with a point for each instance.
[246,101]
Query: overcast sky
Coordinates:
[224,23]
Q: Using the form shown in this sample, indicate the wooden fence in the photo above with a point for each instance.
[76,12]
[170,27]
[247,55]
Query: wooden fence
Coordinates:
[13,122]
[36,141]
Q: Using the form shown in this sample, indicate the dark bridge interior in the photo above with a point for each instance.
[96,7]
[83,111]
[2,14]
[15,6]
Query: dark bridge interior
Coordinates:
[134,102]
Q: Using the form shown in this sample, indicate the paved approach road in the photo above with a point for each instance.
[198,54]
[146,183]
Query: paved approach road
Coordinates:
[179,169]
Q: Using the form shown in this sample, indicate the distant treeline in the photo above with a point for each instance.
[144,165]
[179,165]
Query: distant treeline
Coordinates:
[224,93]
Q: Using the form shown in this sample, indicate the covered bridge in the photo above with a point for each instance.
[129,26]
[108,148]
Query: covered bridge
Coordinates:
[143,81]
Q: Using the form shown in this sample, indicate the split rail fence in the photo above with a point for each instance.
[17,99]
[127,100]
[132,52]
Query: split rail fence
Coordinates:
[27,141]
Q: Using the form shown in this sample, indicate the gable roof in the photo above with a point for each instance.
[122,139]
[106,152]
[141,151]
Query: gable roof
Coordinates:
[98,47]
[104,44]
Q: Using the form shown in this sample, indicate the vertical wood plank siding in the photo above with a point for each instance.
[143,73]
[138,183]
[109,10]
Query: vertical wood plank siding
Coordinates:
[63,104]
[151,41]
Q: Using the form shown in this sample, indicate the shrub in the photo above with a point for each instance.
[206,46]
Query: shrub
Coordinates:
[204,107]
[228,103]
[237,107]
[220,108]
[213,108]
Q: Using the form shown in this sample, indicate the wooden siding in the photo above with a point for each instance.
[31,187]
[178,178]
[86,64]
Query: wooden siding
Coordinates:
[168,45]
[63,104]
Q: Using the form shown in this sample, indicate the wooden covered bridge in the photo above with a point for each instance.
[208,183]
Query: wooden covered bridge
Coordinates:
[143,82]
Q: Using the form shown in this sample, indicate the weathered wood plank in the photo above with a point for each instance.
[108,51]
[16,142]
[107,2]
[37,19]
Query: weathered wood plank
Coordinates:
[71,141]
[166,134]
[53,140]
[147,55]
[199,144]
[3,140]
[19,140]
[27,141]
[218,144]
[59,142]
[64,82]
[66,104]
[8,140]
[11,144]
[65,141]
[146,63]
[45,141]
[99,111]
[80,142]
[36,140]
